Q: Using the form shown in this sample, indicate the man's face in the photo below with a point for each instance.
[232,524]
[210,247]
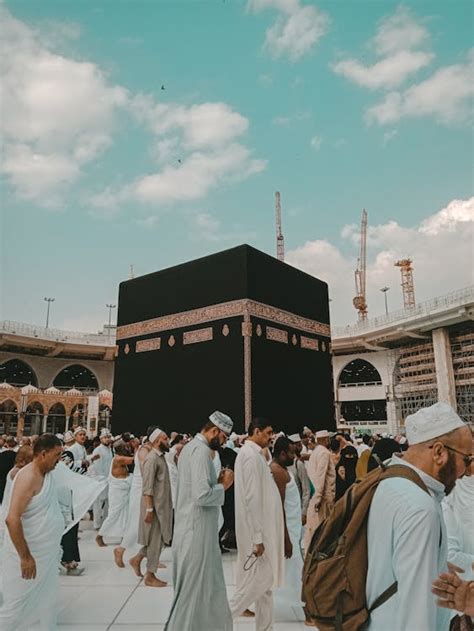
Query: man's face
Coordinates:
[80,437]
[105,440]
[218,439]
[454,466]
[263,436]
[298,448]
[164,444]
[49,459]
[288,458]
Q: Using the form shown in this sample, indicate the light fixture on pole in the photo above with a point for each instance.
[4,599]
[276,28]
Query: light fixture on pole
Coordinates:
[384,290]
[110,307]
[49,301]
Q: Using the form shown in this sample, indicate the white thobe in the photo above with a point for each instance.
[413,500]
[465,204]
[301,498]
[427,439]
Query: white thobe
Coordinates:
[33,602]
[99,470]
[407,543]
[258,519]
[200,598]
[458,511]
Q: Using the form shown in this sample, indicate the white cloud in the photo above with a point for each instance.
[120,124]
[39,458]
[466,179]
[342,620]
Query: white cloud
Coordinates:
[198,148]
[436,246]
[57,113]
[295,31]
[199,173]
[446,96]
[387,73]
[393,43]
[400,31]
[201,126]
[315,142]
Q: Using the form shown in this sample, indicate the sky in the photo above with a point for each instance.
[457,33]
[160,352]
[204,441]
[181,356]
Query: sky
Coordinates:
[150,133]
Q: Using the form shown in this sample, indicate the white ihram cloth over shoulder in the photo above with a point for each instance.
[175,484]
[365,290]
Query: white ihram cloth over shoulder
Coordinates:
[407,543]
[200,597]
[290,593]
[115,523]
[130,536]
[27,603]
[258,512]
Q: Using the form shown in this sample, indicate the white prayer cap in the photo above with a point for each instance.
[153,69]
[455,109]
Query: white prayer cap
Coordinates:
[222,421]
[295,438]
[306,430]
[156,433]
[68,436]
[60,436]
[79,429]
[323,433]
[233,436]
[431,422]
[105,432]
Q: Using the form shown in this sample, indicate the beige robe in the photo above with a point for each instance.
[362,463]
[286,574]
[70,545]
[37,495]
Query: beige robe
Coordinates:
[156,482]
[322,473]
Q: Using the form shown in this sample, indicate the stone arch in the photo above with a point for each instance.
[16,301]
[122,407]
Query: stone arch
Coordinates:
[8,417]
[17,372]
[358,372]
[76,376]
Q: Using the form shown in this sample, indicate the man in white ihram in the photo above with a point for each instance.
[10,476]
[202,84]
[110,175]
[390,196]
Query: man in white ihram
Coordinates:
[100,470]
[406,535]
[259,529]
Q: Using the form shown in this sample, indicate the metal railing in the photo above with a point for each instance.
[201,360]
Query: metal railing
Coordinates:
[57,335]
[460,298]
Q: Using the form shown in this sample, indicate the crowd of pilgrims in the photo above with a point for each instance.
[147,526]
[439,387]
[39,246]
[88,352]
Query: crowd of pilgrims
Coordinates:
[263,494]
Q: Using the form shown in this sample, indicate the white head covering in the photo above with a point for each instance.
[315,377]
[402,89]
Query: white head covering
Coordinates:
[323,433]
[105,433]
[79,429]
[156,433]
[68,436]
[431,422]
[295,438]
[222,421]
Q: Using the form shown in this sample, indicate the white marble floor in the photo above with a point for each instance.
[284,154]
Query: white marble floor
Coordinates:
[107,598]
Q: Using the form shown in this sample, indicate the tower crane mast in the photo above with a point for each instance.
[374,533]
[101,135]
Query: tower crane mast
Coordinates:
[360,300]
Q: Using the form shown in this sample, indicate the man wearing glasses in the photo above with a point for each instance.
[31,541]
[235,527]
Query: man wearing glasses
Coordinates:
[407,541]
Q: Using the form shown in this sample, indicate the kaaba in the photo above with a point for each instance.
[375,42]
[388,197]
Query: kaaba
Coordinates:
[237,331]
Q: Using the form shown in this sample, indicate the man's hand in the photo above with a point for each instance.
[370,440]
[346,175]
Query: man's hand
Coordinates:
[85,464]
[454,593]
[288,548]
[28,568]
[149,517]
[96,457]
[341,472]
[259,549]
[226,478]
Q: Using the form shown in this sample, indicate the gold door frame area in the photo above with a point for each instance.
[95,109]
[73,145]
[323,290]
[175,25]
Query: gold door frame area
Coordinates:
[245,308]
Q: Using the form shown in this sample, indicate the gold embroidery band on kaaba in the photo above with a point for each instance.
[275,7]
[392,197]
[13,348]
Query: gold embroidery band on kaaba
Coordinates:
[218,312]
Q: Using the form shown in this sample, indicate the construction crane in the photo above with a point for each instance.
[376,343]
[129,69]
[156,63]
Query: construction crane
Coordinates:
[279,234]
[360,300]
[408,286]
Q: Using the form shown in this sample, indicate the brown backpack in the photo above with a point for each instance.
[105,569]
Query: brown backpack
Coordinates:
[335,567]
